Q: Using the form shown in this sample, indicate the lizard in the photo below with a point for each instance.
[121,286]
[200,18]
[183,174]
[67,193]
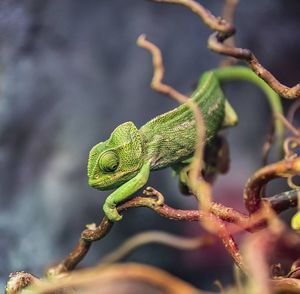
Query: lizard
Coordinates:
[124,161]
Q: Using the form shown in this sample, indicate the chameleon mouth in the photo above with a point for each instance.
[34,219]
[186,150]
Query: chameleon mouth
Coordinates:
[101,184]
[95,183]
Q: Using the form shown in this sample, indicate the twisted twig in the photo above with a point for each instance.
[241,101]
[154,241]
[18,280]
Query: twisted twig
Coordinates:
[178,242]
[158,85]
[229,10]
[224,30]
[20,280]
[278,202]
[254,186]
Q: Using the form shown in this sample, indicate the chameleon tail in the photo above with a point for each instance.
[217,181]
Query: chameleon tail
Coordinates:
[233,73]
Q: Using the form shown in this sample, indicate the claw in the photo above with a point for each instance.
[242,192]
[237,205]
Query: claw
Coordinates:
[149,191]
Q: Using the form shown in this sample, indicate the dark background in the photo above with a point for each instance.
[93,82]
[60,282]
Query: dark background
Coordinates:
[70,73]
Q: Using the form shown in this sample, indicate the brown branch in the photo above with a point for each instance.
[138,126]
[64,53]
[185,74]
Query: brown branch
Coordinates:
[268,143]
[90,235]
[286,285]
[159,237]
[228,241]
[229,10]
[224,30]
[255,251]
[91,279]
[159,70]
[215,43]
[19,280]
[295,270]
[292,111]
[287,124]
[197,184]
[158,85]
[254,186]
[278,202]
[260,249]
[214,23]
[289,144]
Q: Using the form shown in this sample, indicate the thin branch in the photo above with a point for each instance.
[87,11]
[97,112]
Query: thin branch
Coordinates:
[224,30]
[252,191]
[215,43]
[159,86]
[269,143]
[94,278]
[278,202]
[289,241]
[90,235]
[292,111]
[182,243]
[214,23]
[287,124]
[229,11]
[289,144]
[227,239]
[255,249]
[19,280]
[198,186]
[285,285]
[259,250]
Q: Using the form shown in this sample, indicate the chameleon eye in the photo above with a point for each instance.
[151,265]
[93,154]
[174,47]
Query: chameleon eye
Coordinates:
[108,161]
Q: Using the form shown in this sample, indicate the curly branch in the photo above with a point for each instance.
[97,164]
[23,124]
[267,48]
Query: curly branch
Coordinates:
[229,10]
[224,30]
[278,202]
[214,23]
[254,186]
[159,86]
[90,278]
[259,250]
[19,280]
[183,243]
[292,111]
[285,285]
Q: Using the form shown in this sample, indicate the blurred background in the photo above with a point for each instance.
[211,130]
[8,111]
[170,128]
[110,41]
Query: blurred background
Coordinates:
[70,73]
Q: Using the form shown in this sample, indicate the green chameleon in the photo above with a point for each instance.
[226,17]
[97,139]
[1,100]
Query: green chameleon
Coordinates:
[124,161]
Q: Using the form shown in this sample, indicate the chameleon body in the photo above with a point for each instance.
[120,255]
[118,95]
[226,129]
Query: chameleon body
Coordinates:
[124,161]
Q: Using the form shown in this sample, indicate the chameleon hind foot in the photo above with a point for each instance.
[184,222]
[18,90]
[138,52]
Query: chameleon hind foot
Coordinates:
[184,181]
[150,191]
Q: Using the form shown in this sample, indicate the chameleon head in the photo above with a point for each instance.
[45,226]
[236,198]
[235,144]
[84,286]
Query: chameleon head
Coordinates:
[117,160]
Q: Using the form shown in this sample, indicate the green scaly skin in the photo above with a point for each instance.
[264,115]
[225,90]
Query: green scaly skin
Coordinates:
[124,161]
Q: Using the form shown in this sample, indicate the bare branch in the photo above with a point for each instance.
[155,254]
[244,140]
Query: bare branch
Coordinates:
[214,23]
[224,30]
[19,280]
[229,10]
[159,86]
[178,242]
[92,279]
[292,111]
[278,202]
[198,186]
[252,191]
[285,285]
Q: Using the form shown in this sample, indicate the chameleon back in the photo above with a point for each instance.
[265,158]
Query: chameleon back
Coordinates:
[171,137]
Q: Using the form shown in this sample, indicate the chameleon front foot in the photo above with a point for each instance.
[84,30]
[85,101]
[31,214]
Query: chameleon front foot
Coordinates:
[111,213]
[149,191]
